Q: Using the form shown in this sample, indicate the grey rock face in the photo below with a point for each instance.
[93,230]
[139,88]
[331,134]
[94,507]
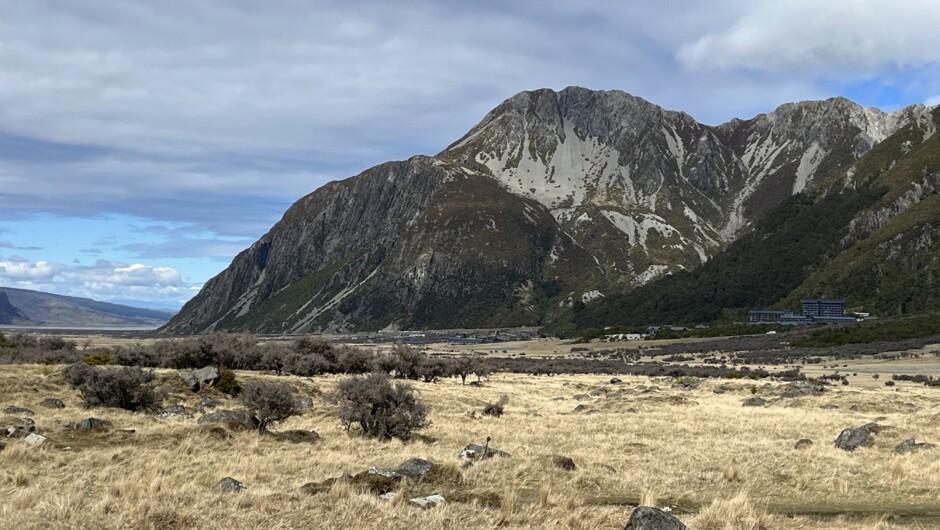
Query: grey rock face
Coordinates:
[18,410]
[616,188]
[235,419]
[648,518]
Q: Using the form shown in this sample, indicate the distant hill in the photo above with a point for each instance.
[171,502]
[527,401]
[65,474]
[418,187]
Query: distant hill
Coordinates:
[10,314]
[25,307]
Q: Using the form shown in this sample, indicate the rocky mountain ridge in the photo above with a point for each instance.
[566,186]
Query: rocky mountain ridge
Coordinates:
[553,199]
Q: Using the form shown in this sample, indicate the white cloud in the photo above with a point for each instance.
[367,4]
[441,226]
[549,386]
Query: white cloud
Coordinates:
[22,271]
[105,280]
[831,36]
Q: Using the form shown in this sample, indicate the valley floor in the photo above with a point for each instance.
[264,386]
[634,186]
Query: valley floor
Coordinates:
[716,464]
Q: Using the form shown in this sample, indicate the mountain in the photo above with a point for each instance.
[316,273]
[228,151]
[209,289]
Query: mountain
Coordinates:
[9,314]
[554,200]
[869,234]
[53,310]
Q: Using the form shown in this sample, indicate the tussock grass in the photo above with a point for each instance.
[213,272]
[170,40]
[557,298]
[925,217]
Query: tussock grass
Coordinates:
[716,464]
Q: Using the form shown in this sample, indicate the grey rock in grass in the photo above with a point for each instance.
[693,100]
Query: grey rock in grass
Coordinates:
[804,443]
[230,485]
[191,381]
[475,452]
[910,446]
[234,419]
[34,439]
[207,376]
[304,403]
[649,518]
[298,436]
[174,410]
[430,501]
[754,401]
[852,438]
[18,410]
[52,403]
[415,467]
[94,424]
[563,462]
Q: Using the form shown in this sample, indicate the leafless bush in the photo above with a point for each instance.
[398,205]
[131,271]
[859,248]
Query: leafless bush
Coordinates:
[496,409]
[381,408]
[269,402]
[128,388]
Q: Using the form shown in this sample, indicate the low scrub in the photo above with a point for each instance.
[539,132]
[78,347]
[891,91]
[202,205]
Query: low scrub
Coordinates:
[128,388]
[381,408]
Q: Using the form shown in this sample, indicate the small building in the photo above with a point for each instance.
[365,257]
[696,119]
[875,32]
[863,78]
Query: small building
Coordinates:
[821,308]
[766,315]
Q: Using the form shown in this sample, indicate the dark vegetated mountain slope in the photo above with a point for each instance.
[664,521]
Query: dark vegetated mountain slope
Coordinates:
[553,201]
[868,234]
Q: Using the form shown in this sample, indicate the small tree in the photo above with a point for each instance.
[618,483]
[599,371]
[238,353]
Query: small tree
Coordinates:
[496,409]
[269,402]
[381,408]
[464,366]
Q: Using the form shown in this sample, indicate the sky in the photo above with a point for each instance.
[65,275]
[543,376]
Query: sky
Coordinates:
[144,144]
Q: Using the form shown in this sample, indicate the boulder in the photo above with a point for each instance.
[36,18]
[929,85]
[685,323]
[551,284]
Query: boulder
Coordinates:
[852,438]
[615,381]
[599,392]
[304,403]
[298,436]
[94,424]
[52,403]
[175,410]
[191,382]
[207,376]
[17,431]
[233,419]
[804,443]
[475,452]
[415,467]
[428,502]
[802,388]
[34,439]
[754,401]
[230,485]
[563,462]
[719,390]
[18,410]
[910,446]
[384,472]
[649,518]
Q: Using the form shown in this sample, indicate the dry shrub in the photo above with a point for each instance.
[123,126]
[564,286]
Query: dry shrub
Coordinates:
[736,513]
[381,408]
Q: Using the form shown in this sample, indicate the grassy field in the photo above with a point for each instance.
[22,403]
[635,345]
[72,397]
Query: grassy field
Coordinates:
[716,464]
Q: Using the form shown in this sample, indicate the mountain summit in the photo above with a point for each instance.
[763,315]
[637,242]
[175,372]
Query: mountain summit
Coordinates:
[555,199]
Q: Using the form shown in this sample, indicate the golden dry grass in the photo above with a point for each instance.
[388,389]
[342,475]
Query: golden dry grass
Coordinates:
[718,465]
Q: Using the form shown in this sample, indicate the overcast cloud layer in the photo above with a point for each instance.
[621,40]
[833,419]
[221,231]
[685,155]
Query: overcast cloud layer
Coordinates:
[205,120]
